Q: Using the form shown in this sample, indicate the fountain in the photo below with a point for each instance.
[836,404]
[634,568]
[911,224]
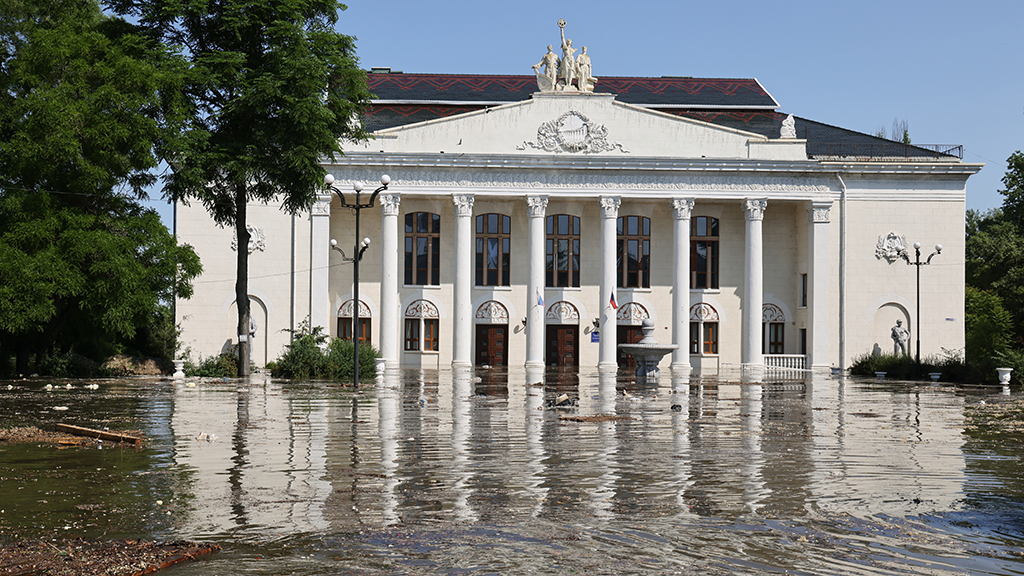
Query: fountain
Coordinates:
[647,353]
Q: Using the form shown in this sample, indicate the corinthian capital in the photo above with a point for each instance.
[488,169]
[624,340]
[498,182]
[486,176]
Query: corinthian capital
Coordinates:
[610,206]
[389,202]
[463,204]
[536,206]
[754,208]
[681,208]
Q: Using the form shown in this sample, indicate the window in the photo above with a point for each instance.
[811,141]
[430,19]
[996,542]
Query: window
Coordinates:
[773,329]
[422,249]
[803,341]
[703,329]
[493,246]
[704,252]
[634,251]
[345,329]
[421,327]
[776,338]
[563,251]
[803,290]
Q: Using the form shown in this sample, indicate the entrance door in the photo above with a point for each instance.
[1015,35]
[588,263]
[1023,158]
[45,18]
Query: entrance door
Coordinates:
[562,348]
[490,344]
[628,335]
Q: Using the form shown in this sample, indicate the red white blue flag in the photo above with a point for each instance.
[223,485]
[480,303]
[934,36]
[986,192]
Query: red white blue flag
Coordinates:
[614,305]
[540,298]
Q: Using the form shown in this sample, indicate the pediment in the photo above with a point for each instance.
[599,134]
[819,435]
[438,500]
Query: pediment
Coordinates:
[578,124]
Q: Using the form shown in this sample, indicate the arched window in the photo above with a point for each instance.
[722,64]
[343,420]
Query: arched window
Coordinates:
[493,249]
[634,251]
[703,329]
[345,322]
[422,249]
[563,251]
[704,252]
[421,326]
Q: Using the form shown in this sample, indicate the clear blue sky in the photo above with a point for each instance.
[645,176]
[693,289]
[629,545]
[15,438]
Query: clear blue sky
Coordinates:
[952,70]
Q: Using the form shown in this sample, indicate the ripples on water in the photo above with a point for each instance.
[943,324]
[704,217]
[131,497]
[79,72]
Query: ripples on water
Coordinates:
[435,473]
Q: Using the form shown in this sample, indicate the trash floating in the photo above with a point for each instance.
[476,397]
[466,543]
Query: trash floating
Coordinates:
[60,407]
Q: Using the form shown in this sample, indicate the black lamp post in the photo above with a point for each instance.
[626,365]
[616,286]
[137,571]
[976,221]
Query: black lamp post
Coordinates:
[917,263]
[358,251]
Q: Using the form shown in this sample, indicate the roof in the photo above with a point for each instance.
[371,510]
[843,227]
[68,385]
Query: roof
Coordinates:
[742,104]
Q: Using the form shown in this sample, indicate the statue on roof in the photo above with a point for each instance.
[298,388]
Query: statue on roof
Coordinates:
[568,73]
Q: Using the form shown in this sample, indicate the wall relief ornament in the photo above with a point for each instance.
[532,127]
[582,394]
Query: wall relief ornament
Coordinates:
[492,312]
[536,206]
[681,208]
[389,203]
[257,239]
[562,312]
[703,312]
[631,314]
[891,246]
[421,309]
[463,204]
[772,313]
[346,310]
[321,208]
[754,208]
[610,206]
[572,132]
[819,214]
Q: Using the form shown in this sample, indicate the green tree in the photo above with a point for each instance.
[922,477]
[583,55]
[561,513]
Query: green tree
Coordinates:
[988,326]
[1013,194]
[273,88]
[994,260]
[83,103]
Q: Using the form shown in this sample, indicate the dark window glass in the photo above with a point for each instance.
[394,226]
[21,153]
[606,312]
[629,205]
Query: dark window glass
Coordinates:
[422,249]
[634,250]
[493,244]
[412,334]
[563,251]
[430,334]
[704,252]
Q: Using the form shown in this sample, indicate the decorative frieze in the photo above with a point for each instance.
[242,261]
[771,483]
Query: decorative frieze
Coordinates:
[681,208]
[610,206]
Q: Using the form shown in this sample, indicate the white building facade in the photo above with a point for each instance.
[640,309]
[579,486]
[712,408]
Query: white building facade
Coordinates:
[541,228]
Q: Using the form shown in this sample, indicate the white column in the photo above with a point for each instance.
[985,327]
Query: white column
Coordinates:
[681,208]
[462,333]
[609,285]
[390,316]
[818,296]
[536,207]
[319,264]
[753,287]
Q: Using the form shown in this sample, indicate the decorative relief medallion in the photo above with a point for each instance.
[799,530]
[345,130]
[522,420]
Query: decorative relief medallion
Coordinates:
[536,206]
[754,208]
[389,203]
[631,314]
[681,208]
[891,246]
[346,310]
[421,309]
[562,312]
[257,239]
[703,312]
[610,206]
[463,204]
[572,132]
[492,312]
[772,313]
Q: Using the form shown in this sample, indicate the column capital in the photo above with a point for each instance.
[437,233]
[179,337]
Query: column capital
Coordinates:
[681,208]
[818,213]
[463,204]
[536,206]
[389,203]
[754,208]
[610,206]
[321,206]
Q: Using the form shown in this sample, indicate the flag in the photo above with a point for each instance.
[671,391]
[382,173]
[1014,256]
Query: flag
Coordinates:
[540,298]
[614,305]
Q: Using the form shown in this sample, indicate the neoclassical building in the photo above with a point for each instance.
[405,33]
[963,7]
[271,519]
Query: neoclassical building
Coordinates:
[530,227]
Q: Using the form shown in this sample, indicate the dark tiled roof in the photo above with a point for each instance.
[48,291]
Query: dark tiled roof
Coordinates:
[482,89]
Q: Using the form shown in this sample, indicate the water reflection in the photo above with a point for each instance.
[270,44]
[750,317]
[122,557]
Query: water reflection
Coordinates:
[785,475]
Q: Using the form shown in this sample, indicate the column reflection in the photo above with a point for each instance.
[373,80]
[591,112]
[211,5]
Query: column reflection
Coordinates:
[462,423]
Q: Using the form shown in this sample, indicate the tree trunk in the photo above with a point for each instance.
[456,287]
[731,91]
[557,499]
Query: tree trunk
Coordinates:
[242,282]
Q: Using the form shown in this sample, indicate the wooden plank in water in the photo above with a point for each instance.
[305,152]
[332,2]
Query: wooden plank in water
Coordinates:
[105,435]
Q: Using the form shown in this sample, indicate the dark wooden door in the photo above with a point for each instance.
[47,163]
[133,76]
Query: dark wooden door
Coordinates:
[628,335]
[563,345]
[490,344]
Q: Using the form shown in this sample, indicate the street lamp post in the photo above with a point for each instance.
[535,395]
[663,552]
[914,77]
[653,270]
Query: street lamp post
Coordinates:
[917,263]
[360,248]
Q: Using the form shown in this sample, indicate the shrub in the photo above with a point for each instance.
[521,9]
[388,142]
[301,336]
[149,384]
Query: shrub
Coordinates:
[224,365]
[340,360]
[311,356]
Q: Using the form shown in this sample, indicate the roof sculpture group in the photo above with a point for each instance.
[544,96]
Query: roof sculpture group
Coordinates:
[569,73]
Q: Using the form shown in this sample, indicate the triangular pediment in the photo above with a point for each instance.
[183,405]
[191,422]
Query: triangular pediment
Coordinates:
[576,124]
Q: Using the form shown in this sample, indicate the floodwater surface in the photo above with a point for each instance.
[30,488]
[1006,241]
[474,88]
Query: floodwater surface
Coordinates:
[435,472]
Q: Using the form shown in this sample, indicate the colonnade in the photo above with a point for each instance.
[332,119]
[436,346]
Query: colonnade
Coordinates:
[390,325]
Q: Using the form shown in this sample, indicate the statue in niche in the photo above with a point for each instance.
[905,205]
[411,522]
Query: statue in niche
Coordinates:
[900,338]
[546,80]
[567,67]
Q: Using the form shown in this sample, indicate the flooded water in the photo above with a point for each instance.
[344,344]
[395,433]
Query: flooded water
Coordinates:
[429,472]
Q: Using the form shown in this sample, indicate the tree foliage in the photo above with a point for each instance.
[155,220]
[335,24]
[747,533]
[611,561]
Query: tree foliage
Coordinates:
[84,102]
[273,88]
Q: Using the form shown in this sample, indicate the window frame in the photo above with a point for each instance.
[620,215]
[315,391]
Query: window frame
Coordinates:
[640,276]
[345,328]
[554,236]
[705,230]
[425,272]
[493,229]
